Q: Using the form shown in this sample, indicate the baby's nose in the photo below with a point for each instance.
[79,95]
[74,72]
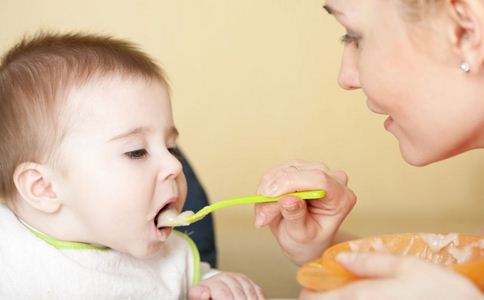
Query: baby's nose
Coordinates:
[170,169]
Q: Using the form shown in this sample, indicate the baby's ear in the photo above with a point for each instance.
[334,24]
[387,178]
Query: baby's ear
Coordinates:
[34,184]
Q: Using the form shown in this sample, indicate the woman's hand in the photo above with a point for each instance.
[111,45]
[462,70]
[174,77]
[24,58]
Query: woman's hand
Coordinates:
[226,286]
[304,229]
[394,277]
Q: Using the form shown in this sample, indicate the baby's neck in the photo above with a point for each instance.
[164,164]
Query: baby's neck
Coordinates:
[55,226]
[60,244]
[42,230]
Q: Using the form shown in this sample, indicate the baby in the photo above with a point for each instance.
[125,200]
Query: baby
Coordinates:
[86,166]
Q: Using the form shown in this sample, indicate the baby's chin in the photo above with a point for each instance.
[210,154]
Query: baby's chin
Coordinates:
[146,252]
[142,243]
[140,249]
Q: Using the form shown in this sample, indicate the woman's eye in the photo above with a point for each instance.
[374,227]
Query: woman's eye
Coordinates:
[137,154]
[350,39]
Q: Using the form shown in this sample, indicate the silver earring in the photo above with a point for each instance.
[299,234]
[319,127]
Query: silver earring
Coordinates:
[465,67]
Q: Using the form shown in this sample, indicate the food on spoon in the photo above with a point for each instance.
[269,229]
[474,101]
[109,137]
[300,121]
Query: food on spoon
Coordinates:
[171,218]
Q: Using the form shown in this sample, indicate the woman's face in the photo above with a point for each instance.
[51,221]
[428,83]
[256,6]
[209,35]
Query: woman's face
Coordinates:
[410,73]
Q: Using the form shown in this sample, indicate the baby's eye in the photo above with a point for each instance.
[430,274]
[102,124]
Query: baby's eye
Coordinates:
[175,152]
[137,154]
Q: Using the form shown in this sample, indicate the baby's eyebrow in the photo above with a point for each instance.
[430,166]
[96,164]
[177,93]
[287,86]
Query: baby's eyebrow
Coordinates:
[137,130]
[171,132]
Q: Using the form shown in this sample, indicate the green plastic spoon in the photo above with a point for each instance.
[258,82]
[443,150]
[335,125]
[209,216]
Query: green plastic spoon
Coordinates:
[187,220]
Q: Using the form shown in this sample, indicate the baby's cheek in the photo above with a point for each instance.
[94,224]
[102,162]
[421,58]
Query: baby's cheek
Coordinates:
[134,195]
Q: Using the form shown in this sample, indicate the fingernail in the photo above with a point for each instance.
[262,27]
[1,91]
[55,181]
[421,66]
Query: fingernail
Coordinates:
[292,207]
[271,189]
[260,220]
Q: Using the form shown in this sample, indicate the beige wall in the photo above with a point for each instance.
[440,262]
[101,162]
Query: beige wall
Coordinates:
[254,84]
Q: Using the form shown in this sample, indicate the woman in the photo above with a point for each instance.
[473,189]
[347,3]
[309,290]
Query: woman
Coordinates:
[421,62]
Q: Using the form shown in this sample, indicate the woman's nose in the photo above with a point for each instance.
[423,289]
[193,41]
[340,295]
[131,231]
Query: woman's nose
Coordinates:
[348,77]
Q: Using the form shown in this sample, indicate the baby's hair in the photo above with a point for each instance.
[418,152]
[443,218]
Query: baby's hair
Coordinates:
[36,76]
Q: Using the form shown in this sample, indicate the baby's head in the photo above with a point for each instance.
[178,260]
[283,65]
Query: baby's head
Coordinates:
[86,141]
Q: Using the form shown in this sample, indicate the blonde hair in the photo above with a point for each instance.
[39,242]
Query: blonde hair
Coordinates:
[35,77]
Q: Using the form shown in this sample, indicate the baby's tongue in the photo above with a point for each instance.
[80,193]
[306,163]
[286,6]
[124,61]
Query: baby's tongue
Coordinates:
[171,218]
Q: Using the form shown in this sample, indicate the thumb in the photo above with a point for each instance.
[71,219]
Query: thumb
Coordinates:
[266,213]
[199,292]
[294,212]
[293,209]
[377,265]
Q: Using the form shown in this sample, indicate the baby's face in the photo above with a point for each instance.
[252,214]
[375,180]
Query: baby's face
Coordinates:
[116,168]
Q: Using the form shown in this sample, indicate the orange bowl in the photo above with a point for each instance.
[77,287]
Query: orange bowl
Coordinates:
[462,253]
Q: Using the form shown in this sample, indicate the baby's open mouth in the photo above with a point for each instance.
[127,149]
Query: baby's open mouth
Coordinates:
[169,217]
[170,209]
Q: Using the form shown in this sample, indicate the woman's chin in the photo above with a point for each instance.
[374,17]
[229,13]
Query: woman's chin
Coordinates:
[420,157]
[416,162]
[415,157]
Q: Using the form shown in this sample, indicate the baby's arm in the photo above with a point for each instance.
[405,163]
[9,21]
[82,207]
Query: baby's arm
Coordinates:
[224,285]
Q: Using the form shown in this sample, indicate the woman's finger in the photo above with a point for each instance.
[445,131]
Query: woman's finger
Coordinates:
[338,200]
[291,209]
[378,265]
[267,213]
[274,173]
[295,215]
[291,180]
[336,205]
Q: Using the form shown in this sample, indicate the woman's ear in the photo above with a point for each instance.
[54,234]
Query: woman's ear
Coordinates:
[34,184]
[466,31]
